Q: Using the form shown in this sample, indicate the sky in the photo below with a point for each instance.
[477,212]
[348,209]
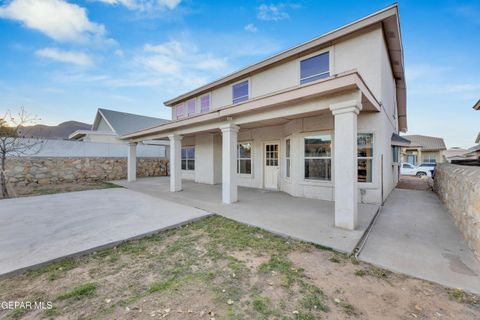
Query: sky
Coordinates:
[61,60]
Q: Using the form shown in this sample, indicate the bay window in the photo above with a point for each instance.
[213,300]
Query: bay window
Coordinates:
[244,158]
[365,156]
[318,157]
[188,158]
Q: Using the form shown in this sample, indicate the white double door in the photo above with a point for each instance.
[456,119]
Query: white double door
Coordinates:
[271,165]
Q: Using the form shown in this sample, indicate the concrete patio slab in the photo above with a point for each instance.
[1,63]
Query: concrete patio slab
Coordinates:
[304,219]
[44,228]
[415,235]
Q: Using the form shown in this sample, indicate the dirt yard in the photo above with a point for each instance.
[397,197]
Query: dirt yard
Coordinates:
[414,183]
[219,269]
[36,190]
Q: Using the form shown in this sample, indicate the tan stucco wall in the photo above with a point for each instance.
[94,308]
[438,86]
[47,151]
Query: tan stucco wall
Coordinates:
[362,53]
[459,189]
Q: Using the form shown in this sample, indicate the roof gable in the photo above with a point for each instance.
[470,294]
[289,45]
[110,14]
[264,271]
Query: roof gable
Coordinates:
[122,122]
[426,142]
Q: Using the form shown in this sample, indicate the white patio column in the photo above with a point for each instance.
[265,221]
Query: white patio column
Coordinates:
[175,162]
[345,163]
[229,163]
[132,162]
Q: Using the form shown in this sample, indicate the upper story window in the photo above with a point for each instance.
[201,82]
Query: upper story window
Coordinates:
[314,68]
[240,91]
[179,111]
[205,103]
[191,106]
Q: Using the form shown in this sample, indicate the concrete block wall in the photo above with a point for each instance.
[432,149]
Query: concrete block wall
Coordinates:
[51,170]
[459,188]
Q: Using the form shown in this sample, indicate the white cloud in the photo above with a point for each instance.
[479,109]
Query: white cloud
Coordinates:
[57,19]
[119,53]
[145,5]
[74,57]
[251,28]
[272,12]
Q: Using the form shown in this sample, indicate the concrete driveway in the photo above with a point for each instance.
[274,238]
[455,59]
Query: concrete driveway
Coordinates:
[415,235]
[35,230]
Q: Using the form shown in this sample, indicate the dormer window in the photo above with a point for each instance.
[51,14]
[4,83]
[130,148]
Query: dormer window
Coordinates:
[315,68]
[179,111]
[240,91]
[191,106]
[205,103]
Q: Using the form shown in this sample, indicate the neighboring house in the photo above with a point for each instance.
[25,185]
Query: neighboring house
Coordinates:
[109,125]
[457,153]
[423,149]
[314,121]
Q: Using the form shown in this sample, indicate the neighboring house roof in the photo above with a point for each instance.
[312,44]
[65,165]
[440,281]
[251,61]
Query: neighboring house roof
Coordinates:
[476,106]
[474,148]
[478,138]
[389,19]
[122,122]
[427,143]
[400,141]
[81,133]
[454,152]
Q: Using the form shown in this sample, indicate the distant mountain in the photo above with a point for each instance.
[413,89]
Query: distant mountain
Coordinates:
[61,131]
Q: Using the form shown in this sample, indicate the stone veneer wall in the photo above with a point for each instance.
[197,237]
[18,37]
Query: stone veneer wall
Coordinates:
[459,188]
[40,170]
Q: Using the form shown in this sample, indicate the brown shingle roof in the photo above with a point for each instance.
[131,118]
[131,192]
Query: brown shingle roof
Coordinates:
[426,142]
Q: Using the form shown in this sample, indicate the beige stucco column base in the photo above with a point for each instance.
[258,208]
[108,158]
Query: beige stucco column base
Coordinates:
[175,162]
[345,163]
[229,163]
[132,162]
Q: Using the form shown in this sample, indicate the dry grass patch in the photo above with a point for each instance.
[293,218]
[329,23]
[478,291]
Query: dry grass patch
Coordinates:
[217,268]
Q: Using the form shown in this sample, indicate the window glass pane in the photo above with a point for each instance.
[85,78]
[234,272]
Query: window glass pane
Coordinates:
[184,153]
[318,146]
[287,173]
[318,169]
[191,164]
[364,170]
[240,91]
[191,106]
[312,68]
[179,110]
[287,148]
[365,145]
[205,103]
[245,150]
[191,153]
[184,164]
[245,166]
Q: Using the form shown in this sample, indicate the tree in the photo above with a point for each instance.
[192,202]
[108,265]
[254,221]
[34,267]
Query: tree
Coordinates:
[14,142]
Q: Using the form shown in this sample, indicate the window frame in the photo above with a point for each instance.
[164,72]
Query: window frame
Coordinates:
[367,158]
[288,158]
[209,103]
[247,97]
[331,64]
[251,158]
[332,162]
[187,159]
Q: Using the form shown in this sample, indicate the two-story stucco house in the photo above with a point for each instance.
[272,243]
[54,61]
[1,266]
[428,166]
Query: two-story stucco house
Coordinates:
[314,121]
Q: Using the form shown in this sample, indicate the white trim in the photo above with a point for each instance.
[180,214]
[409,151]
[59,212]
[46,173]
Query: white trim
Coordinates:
[246,175]
[324,182]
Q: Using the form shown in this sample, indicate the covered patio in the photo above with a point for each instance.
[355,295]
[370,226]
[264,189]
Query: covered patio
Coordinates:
[300,218]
